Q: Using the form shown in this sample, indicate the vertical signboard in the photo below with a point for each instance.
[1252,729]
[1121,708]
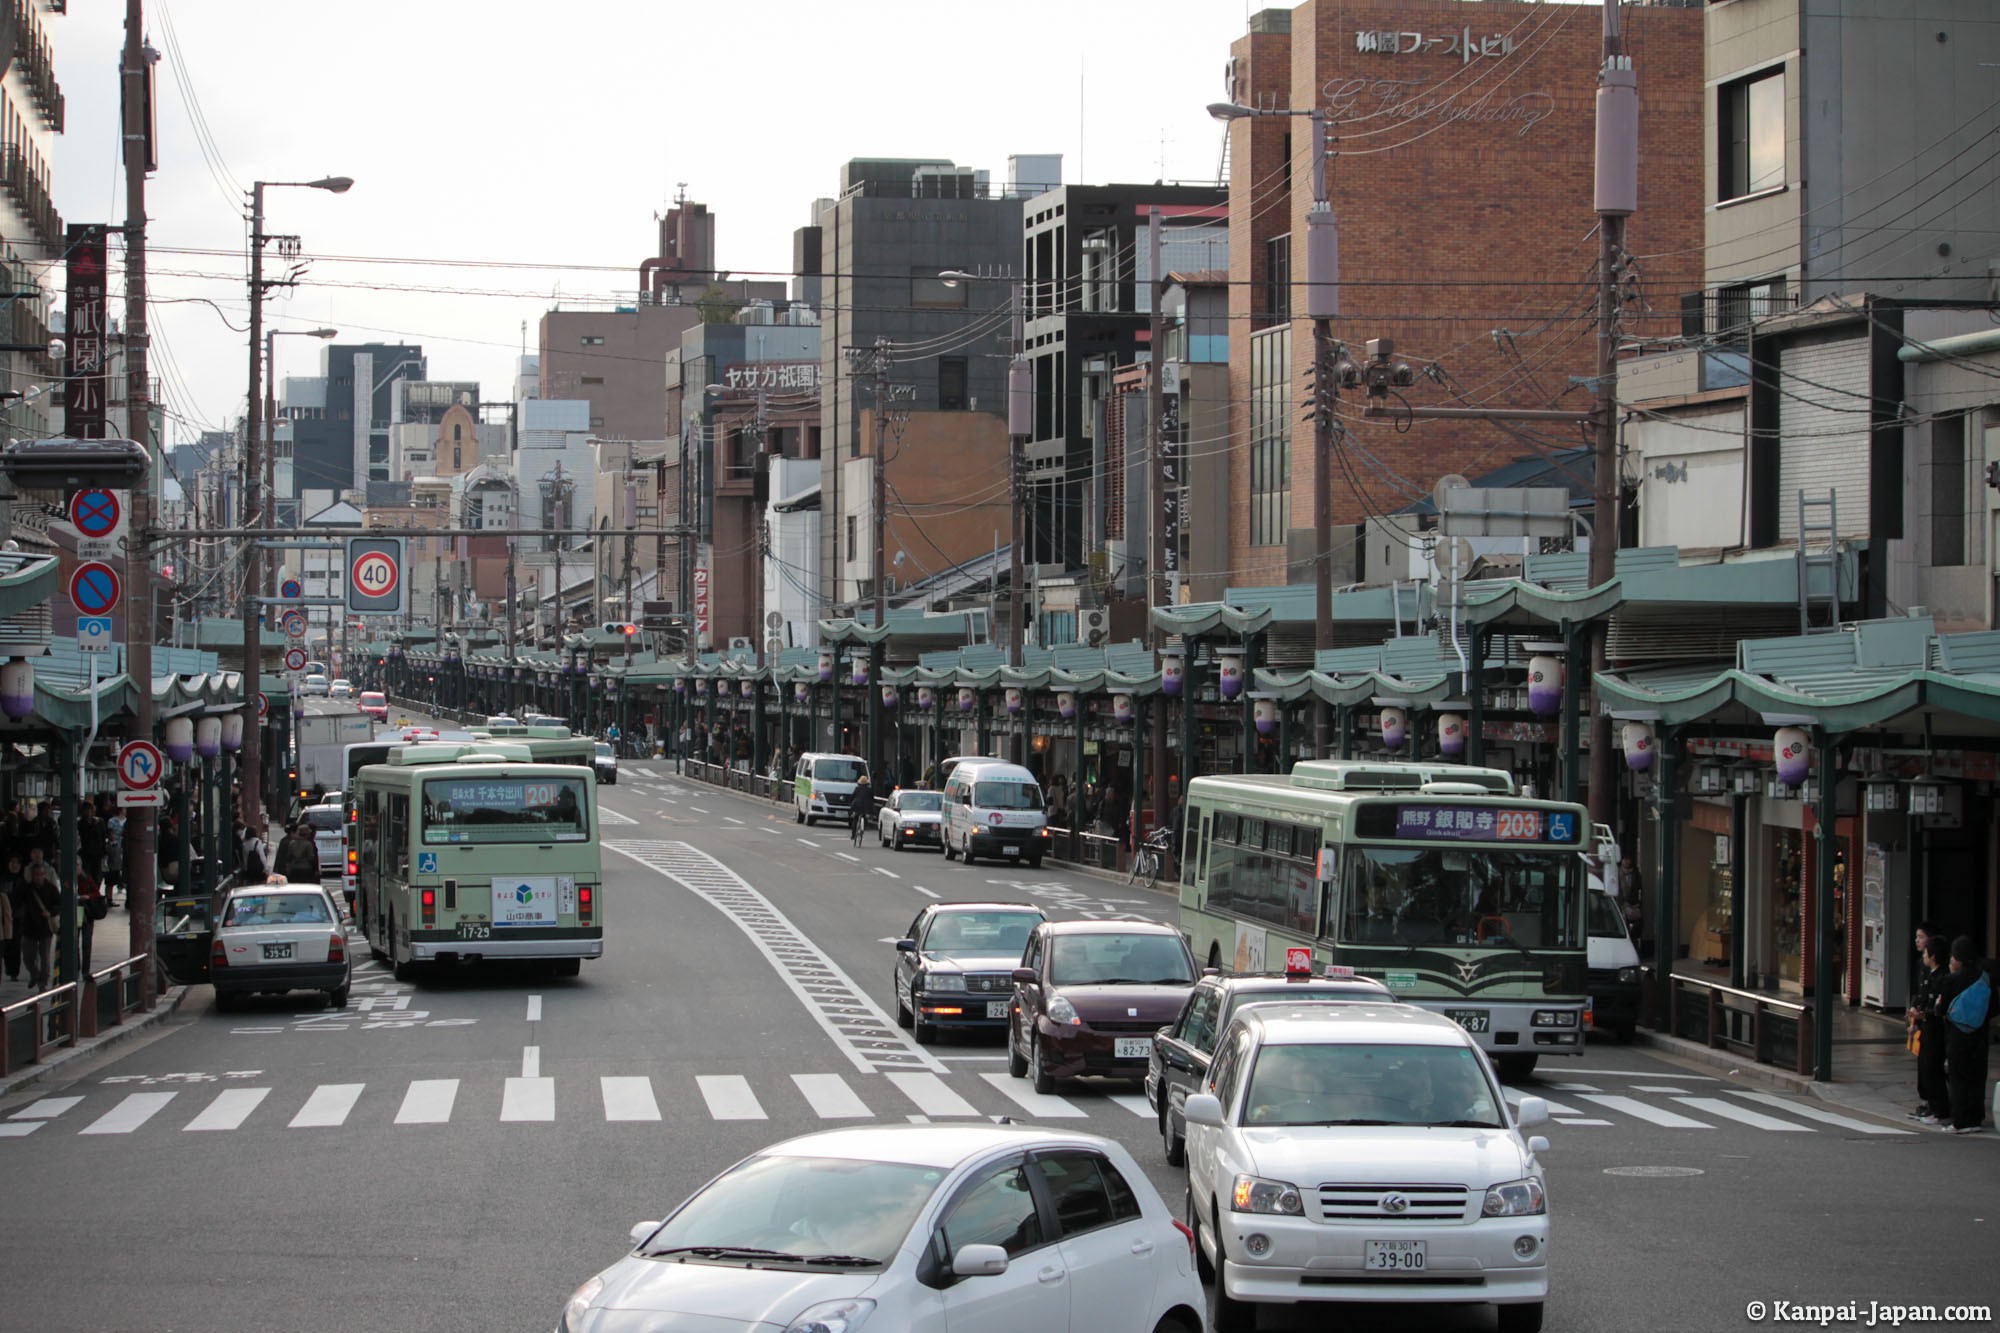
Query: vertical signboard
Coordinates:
[1170,472]
[83,370]
[701,603]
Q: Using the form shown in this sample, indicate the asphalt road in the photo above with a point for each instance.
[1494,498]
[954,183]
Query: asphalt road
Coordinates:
[460,1152]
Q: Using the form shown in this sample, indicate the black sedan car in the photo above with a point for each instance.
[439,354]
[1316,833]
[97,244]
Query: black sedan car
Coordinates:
[1181,1052]
[955,967]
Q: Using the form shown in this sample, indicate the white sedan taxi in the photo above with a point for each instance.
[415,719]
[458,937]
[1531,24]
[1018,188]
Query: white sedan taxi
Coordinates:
[278,937]
[909,1229]
[911,818]
[1363,1153]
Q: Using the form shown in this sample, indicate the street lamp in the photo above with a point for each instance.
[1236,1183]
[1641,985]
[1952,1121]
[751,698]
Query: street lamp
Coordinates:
[271,337]
[253,517]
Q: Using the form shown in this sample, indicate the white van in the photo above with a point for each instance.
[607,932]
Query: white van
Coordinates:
[823,786]
[993,809]
[1612,971]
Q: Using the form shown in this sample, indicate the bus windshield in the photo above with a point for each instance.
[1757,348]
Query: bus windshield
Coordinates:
[499,809]
[1006,796]
[1407,896]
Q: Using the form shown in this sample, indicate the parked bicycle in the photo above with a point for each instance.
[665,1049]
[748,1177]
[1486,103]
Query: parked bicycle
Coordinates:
[1151,857]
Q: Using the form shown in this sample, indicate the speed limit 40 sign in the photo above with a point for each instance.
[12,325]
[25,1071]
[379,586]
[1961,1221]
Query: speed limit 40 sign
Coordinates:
[375,575]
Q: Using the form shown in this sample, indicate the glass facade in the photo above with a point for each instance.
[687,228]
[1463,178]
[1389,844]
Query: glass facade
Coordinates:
[1271,409]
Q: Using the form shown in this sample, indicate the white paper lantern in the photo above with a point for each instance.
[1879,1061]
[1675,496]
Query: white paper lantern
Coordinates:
[1266,716]
[17,688]
[1229,676]
[1121,707]
[889,697]
[1451,734]
[1792,751]
[208,737]
[825,667]
[1013,700]
[1636,739]
[1545,685]
[801,691]
[966,699]
[232,732]
[926,698]
[1394,723]
[1066,705]
[178,734]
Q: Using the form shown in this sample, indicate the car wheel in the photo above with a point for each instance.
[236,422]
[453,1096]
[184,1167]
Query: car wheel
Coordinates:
[1226,1314]
[1512,1068]
[1017,1063]
[903,1015]
[400,969]
[798,815]
[1045,1082]
[569,967]
[1034,863]
[1173,1323]
[337,997]
[1175,1144]
[950,852]
[1202,1267]
[1626,1031]
[224,1002]
[1520,1318]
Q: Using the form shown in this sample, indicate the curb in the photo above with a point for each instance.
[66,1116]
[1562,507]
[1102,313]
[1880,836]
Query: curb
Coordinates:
[163,1008]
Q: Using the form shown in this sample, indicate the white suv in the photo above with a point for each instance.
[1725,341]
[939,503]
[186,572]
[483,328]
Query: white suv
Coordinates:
[1363,1153]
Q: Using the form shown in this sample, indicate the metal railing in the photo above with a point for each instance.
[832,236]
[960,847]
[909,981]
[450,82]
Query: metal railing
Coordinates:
[112,996]
[31,1028]
[1770,1031]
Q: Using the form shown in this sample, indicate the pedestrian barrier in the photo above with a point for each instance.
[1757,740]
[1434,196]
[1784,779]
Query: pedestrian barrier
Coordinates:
[113,995]
[31,1028]
[1771,1031]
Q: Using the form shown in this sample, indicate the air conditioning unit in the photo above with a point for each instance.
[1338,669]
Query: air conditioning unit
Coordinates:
[1093,624]
[739,641]
[888,585]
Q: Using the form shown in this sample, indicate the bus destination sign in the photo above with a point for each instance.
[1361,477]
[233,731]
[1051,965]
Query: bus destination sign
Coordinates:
[1483,823]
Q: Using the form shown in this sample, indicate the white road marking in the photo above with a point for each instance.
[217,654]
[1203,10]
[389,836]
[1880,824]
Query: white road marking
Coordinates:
[926,892]
[1805,1112]
[890,873]
[931,1095]
[1650,1087]
[534,1008]
[1644,1073]
[229,1110]
[1579,1120]
[732,819]
[1586,1087]
[848,856]
[328,1106]
[20,1129]
[1514,1096]
[697,809]
[528,1099]
[1731,1111]
[729,1097]
[135,1110]
[995,1058]
[606,815]
[1632,1106]
[830,1097]
[48,1108]
[1135,1102]
[809,842]
[629,1098]
[428,1102]
[1042,1106]
[531,1062]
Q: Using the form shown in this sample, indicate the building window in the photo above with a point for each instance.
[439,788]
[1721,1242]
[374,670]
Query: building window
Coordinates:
[1278,278]
[1739,307]
[597,423]
[951,384]
[592,340]
[930,292]
[1750,134]
[457,458]
[1948,486]
[850,537]
[593,379]
[457,432]
[1271,435]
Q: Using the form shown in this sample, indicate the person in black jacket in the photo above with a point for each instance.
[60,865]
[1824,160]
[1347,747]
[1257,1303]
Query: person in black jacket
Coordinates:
[1933,1097]
[1965,1049]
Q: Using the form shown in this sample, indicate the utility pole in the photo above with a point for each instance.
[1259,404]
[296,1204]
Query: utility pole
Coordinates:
[1020,424]
[252,754]
[1160,582]
[141,828]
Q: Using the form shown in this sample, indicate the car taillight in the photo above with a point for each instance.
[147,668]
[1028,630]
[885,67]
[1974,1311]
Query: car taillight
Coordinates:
[583,903]
[336,948]
[430,902]
[1187,1231]
[218,955]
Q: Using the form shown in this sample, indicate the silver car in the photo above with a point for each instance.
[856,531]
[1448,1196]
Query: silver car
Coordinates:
[911,818]
[274,938]
[328,822]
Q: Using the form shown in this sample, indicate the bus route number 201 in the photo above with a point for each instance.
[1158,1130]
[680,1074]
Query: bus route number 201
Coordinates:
[1518,826]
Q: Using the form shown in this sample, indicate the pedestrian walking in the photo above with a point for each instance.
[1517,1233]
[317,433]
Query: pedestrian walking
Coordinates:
[14,888]
[1966,1000]
[255,861]
[1927,1026]
[38,928]
[91,908]
[114,853]
[90,842]
[298,856]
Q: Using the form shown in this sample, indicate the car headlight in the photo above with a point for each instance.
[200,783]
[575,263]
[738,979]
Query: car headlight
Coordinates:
[842,1316]
[1062,1011]
[943,981]
[579,1304]
[1254,1194]
[1516,1198]
[1628,975]
[1555,1018]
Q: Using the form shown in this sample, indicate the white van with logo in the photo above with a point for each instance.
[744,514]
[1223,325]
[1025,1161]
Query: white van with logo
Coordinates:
[993,809]
[823,786]
[1611,976]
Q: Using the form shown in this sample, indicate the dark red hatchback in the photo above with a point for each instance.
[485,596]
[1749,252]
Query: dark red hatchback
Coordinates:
[1089,995]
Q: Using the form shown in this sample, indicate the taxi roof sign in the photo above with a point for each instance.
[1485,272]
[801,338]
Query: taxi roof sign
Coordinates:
[1298,963]
[1339,972]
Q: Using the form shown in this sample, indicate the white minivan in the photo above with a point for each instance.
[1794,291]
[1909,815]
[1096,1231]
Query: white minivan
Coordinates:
[993,809]
[823,786]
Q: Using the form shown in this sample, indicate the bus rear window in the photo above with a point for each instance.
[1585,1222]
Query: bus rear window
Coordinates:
[505,810]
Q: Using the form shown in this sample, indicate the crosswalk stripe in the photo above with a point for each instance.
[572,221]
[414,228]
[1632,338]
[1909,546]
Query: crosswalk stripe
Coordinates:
[1042,1106]
[428,1101]
[1632,1106]
[1514,1096]
[1805,1112]
[135,1110]
[1742,1115]
[231,1107]
[930,1094]
[1134,1102]
[19,1129]
[830,1097]
[629,1098]
[328,1106]
[729,1097]
[45,1108]
[528,1099]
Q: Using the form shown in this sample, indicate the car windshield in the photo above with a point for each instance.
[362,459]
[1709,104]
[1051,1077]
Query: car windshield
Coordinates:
[801,1207]
[1114,959]
[1604,921]
[921,800]
[605,751]
[1006,796]
[323,818]
[838,770]
[982,932]
[1334,1084]
[277,909]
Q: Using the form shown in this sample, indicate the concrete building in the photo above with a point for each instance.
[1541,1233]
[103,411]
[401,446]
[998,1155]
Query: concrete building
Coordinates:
[31,233]
[342,426]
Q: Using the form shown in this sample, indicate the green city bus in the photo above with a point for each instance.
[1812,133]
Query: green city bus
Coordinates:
[547,744]
[472,851]
[1436,880]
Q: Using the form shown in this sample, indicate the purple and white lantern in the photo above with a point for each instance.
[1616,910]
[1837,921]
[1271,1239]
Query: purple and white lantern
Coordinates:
[1066,706]
[860,673]
[1451,734]
[1229,676]
[680,685]
[1171,665]
[1013,701]
[966,699]
[889,697]
[825,667]
[1545,685]
[1792,749]
[17,688]
[701,685]
[1266,716]
[801,691]
[1121,707]
[749,688]
[178,736]
[1395,723]
[232,732]
[208,737]
[1636,739]
[926,698]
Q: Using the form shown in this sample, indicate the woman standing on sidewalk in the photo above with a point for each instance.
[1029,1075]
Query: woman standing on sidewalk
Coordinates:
[38,929]
[1965,1043]
[1933,1096]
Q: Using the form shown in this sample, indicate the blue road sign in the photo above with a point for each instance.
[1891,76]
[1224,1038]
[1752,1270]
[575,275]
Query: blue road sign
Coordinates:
[94,588]
[93,634]
[289,588]
[95,513]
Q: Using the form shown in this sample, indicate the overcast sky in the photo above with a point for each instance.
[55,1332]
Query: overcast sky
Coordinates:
[511,154]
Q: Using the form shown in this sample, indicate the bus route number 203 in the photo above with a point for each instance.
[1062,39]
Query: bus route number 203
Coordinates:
[1518,825]
[474,930]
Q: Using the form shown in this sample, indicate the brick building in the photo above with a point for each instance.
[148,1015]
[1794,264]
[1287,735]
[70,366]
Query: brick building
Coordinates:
[1461,180]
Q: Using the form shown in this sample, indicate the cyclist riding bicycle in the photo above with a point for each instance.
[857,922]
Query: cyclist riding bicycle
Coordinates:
[863,812]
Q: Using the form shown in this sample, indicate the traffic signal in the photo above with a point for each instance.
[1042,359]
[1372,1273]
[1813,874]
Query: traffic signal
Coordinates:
[623,628]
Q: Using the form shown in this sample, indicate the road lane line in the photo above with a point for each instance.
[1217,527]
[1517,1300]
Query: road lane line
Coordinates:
[830,1097]
[890,873]
[926,892]
[848,856]
[135,1110]
[606,815]
[328,1106]
[1743,1115]
[1514,1096]
[732,819]
[729,1097]
[629,1097]
[1639,1110]
[1134,1102]
[534,1008]
[229,1110]
[1805,1112]
[428,1102]
[697,809]
[528,1099]
[931,1095]
[531,1062]
[1578,1120]
[1041,1105]
[48,1108]
[810,842]
[20,1129]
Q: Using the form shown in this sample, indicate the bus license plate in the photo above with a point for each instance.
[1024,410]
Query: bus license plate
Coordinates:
[996,1008]
[1393,1256]
[274,952]
[1132,1048]
[474,930]
[1472,1020]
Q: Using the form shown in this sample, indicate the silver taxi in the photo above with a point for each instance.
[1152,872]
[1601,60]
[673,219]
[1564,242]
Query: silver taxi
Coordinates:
[277,937]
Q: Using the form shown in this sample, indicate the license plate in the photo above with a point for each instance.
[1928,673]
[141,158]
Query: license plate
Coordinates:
[1132,1048]
[273,952]
[1472,1020]
[474,930]
[1012,851]
[996,1008]
[1393,1256]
